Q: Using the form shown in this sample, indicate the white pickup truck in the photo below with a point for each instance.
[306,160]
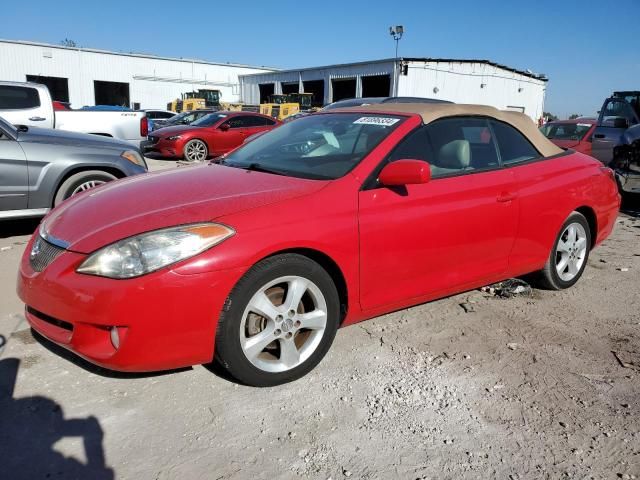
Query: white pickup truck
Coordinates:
[30,104]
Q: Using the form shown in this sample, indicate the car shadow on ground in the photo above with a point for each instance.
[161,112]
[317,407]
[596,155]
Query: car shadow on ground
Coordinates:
[16,228]
[31,426]
[631,205]
[91,368]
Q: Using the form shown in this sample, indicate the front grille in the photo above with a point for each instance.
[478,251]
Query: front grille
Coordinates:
[42,254]
[49,319]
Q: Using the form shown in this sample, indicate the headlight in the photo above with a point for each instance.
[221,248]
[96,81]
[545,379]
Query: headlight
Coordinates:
[175,137]
[133,157]
[151,251]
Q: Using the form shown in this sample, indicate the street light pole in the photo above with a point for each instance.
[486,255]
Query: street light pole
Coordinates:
[396,32]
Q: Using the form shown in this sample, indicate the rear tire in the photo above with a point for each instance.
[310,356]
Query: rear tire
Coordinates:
[299,315]
[569,255]
[80,182]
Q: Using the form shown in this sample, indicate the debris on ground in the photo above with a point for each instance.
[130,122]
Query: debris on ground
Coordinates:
[628,359]
[509,288]
[467,307]
[623,269]
[512,346]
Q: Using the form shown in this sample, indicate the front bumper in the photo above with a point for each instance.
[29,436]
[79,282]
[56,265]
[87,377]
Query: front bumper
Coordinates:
[164,320]
[164,148]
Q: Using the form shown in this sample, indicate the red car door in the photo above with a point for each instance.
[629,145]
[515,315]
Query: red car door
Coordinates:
[458,229]
[228,135]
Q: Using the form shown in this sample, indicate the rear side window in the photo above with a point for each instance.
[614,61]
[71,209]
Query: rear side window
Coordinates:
[253,121]
[14,98]
[514,146]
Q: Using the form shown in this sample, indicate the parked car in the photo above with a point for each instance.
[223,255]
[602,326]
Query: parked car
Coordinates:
[43,167]
[616,140]
[576,134]
[357,102]
[322,222]
[26,103]
[183,118]
[212,135]
[157,115]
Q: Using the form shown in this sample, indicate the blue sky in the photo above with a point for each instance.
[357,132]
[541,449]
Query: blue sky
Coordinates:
[587,48]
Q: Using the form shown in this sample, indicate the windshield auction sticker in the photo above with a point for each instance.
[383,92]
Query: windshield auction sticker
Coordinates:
[383,121]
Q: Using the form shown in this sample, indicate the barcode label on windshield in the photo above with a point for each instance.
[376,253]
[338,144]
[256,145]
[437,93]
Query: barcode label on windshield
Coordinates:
[384,121]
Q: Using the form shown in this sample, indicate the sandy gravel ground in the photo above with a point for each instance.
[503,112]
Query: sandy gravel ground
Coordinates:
[540,386]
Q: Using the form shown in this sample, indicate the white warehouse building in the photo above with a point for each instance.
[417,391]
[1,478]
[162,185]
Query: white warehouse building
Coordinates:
[460,81]
[85,76]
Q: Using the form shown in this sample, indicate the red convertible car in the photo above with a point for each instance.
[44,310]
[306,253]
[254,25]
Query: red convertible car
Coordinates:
[210,136]
[323,222]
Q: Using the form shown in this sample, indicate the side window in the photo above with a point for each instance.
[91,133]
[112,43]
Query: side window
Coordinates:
[513,146]
[460,145]
[254,121]
[269,122]
[414,146]
[14,98]
[237,122]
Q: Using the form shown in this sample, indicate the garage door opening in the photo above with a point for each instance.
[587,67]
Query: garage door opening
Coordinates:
[317,88]
[291,87]
[376,86]
[58,86]
[266,90]
[343,88]
[111,93]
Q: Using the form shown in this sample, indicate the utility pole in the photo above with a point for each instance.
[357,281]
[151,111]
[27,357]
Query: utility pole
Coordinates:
[396,32]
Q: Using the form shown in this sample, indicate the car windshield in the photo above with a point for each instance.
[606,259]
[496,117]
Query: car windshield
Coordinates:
[8,127]
[322,146]
[209,120]
[565,131]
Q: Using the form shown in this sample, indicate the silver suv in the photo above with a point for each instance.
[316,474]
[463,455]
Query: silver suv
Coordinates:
[41,167]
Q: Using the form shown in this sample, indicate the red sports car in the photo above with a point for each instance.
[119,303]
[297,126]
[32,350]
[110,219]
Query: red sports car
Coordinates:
[320,223]
[210,136]
[575,134]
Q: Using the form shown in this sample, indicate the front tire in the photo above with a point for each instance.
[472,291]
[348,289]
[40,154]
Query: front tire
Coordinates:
[196,151]
[569,255]
[80,182]
[278,322]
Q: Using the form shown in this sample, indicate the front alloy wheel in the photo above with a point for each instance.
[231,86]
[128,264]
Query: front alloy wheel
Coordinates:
[278,322]
[196,151]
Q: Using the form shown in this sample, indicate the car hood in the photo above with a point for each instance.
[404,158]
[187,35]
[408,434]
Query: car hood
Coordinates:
[173,130]
[565,143]
[50,136]
[134,205]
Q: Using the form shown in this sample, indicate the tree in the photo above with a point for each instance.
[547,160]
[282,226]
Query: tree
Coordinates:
[69,43]
[574,116]
[549,116]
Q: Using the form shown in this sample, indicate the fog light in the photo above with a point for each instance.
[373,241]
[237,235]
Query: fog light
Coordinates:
[115,337]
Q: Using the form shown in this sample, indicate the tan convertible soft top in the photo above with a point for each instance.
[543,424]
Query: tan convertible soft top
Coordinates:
[435,111]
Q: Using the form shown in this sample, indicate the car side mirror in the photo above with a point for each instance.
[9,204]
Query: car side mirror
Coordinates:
[405,172]
[224,127]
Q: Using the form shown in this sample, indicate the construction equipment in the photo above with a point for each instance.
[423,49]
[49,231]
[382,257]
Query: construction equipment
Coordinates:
[196,100]
[281,106]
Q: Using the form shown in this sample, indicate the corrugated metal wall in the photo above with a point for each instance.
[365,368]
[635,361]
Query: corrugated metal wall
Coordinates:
[153,82]
[477,83]
[459,82]
[250,91]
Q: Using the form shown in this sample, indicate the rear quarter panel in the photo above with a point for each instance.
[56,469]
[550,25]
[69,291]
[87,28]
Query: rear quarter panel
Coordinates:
[548,191]
[122,125]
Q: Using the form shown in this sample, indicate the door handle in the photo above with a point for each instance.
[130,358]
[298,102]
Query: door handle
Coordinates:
[599,135]
[37,119]
[505,197]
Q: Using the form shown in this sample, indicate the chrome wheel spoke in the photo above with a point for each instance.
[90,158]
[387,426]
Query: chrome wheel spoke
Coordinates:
[563,246]
[562,264]
[570,251]
[573,267]
[254,345]
[261,305]
[289,354]
[313,320]
[581,243]
[297,288]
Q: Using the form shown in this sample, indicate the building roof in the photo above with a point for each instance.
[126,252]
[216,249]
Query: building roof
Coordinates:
[137,55]
[526,73]
[435,111]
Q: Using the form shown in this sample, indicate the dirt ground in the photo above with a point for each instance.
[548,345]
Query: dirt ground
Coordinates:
[540,386]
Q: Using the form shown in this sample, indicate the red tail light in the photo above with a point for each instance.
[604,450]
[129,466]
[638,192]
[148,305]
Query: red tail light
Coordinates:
[144,127]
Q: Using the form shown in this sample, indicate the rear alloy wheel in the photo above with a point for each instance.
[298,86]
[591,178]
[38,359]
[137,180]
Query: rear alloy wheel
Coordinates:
[569,255]
[279,321]
[81,182]
[196,151]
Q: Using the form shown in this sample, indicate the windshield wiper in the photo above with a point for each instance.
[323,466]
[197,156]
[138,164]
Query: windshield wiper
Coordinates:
[255,167]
